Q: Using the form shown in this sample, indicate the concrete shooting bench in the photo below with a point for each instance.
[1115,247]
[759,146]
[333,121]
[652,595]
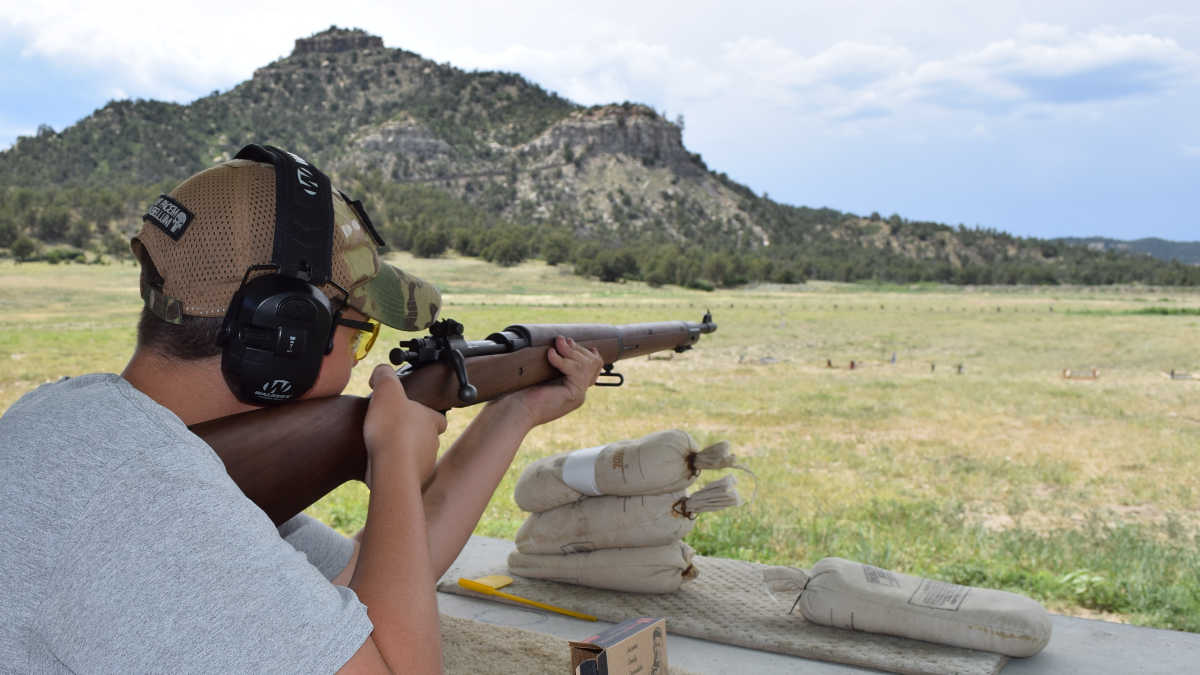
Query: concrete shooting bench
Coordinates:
[1076,645]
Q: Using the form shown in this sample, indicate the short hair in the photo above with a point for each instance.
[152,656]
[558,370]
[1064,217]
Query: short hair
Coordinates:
[195,338]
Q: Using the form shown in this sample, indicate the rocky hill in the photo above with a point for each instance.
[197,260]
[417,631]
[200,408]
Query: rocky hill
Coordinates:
[451,157]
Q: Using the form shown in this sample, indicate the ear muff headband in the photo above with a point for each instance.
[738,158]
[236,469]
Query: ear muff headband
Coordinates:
[279,326]
[303,244]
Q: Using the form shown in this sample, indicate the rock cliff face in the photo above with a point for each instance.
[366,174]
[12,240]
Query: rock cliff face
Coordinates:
[402,139]
[337,40]
[608,171]
[629,130]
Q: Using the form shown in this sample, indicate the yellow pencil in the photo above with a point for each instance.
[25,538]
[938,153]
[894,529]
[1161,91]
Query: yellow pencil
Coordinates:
[484,588]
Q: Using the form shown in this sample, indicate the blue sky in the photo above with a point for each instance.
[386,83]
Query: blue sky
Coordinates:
[1066,118]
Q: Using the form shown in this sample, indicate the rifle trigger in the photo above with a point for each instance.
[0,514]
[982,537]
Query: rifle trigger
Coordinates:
[618,379]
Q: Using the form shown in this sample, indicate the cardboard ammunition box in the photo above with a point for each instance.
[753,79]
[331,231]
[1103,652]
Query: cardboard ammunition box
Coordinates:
[633,647]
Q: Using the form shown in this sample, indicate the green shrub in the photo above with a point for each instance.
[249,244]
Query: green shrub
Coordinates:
[61,254]
[556,248]
[430,243]
[508,250]
[8,231]
[25,248]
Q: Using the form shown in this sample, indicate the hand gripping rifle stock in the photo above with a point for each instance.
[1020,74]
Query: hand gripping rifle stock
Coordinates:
[286,458]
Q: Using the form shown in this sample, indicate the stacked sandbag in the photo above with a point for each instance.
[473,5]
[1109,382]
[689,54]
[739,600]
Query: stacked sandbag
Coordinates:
[614,516]
[847,594]
[658,463]
[653,569]
[598,523]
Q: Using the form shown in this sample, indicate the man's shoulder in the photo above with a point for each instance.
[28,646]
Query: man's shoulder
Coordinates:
[73,393]
[82,427]
[78,453]
[153,548]
[95,401]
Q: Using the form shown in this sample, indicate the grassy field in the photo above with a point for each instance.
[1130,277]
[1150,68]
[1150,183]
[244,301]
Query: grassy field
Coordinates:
[1082,493]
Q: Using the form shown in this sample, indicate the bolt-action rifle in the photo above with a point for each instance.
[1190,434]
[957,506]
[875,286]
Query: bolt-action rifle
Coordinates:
[287,457]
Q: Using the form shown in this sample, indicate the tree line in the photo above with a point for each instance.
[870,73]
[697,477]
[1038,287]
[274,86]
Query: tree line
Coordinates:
[72,223]
[92,223]
[429,222]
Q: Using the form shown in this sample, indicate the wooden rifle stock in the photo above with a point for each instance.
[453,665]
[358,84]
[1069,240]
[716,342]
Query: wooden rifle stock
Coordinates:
[286,458]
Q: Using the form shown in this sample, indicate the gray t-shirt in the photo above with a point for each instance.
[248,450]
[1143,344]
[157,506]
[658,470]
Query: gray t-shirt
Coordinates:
[126,547]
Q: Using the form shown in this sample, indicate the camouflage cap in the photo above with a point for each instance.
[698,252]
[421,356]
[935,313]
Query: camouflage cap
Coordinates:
[205,234]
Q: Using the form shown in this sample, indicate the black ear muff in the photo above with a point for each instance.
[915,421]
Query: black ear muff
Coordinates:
[279,326]
[274,338]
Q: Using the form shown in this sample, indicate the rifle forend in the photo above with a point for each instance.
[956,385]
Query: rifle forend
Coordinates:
[287,457]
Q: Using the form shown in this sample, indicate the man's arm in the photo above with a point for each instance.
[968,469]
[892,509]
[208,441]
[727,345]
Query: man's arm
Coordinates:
[469,471]
[394,574]
[343,578]
[467,474]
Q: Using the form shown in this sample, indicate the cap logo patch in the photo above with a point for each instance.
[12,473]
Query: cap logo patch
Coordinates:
[170,216]
[304,175]
[306,180]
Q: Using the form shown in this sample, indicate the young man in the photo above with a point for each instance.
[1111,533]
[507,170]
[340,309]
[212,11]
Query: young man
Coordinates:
[127,546]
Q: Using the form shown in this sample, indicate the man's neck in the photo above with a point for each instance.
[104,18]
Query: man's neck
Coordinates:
[193,390]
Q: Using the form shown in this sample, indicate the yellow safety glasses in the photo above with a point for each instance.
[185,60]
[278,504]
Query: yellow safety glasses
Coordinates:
[365,338]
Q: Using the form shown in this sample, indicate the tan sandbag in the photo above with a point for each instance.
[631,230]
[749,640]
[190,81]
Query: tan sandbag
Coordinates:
[658,463]
[852,595]
[653,569]
[622,522]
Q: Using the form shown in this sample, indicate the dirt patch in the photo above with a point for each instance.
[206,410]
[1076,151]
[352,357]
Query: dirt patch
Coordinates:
[1085,613]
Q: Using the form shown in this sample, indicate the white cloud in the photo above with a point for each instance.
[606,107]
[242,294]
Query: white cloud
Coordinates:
[845,64]
[765,55]
[749,71]
[1050,65]
[839,82]
[146,48]
[1041,65]
[606,72]
[1039,68]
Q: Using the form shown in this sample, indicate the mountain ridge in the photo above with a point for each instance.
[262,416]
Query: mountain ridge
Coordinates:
[1187,252]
